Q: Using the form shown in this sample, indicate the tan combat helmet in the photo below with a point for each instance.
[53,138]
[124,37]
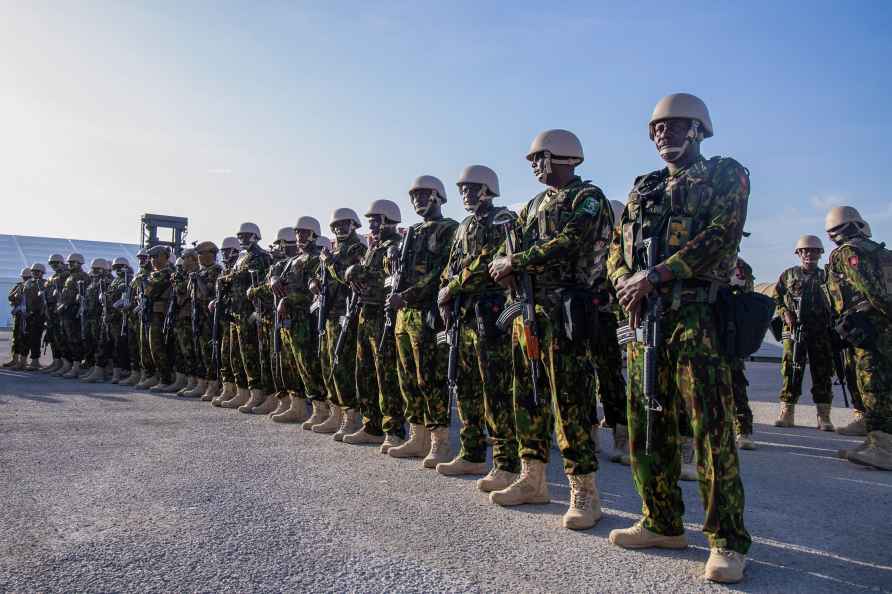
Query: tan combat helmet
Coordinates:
[38,267]
[681,105]
[308,224]
[480,174]
[562,144]
[809,241]
[250,228]
[429,182]
[841,215]
[386,208]
[286,234]
[207,246]
[345,214]
[231,243]
[121,261]
[56,258]
[26,273]
[617,207]
[75,257]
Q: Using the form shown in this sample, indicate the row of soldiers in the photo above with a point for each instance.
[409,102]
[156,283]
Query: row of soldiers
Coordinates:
[510,318]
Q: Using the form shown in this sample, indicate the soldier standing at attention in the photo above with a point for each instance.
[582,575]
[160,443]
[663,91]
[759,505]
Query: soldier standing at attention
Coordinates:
[158,290]
[149,377]
[67,309]
[19,345]
[53,323]
[557,233]
[34,289]
[800,304]
[231,375]
[694,210]
[420,361]
[202,286]
[115,329]
[859,282]
[485,403]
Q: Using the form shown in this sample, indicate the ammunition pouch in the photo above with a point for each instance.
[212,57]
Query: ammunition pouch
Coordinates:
[487,310]
[856,328]
[741,321]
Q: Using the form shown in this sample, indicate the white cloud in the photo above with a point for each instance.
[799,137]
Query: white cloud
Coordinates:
[825,202]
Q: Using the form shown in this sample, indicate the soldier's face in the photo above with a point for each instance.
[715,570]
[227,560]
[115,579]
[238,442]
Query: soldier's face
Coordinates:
[143,261]
[73,265]
[190,263]
[159,262]
[423,201]
[120,270]
[57,266]
[36,274]
[671,138]
[207,258]
[375,224]
[809,257]
[472,195]
[342,229]
[305,237]
[246,240]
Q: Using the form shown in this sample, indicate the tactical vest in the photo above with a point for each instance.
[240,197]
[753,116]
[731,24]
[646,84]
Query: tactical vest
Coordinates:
[427,249]
[254,258]
[297,274]
[341,260]
[375,268]
[808,288]
[846,297]
[547,215]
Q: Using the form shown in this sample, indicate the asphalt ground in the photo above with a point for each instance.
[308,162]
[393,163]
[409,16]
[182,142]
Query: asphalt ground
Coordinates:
[107,489]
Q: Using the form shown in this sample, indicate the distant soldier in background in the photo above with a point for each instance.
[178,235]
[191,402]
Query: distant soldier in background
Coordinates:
[188,358]
[94,362]
[148,378]
[158,291]
[34,290]
[859,282]
[231,375]
[202,287]
[801,305]
[18,304]
[116,329]
[75,283]
[54,335]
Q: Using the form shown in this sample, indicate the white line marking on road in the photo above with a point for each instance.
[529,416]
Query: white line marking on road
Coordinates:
[839,478]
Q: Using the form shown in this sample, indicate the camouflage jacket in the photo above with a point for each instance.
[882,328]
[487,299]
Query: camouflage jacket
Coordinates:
[476,243]
[558,231]
[137,285]
[15,293]
[54,288]
[159,288]
[33,291]
[237,281]
[180,290]
[296,275]
[97,286]
[697,215]
[859,275]
[70,289]
[795,283]
[114,293]
[203,287]
[426,260]
[742,278]
[344,255]
[263,292]
[374,269]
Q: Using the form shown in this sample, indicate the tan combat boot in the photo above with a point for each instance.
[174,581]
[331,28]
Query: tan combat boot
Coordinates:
[132,378]
[116,375]
[332,423]
[745,441]
[390,441]
[257,398]
[349,424]
[175,384]
[296,413]
[877,451]
[242,395]
[320,413]
[12,362]
[94,376]
[530,486]
[197,391]
[724,566]
[283,403]
[824,422]
[212,391]
[269,404]
[458,466]
[620,453]
[440,451]
[56,364]
[585,504]
[34,365]
[178,384]
[857,427]
[496,480]
[150,382]
[65,368]
[190,385]
[229,391]
[786,416]
[362,437]
[688,466]
[74,372]
[639,537]
[417,446]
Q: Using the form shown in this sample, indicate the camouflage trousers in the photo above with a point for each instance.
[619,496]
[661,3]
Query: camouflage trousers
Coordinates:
[120,344]
[145,346]
[691,375]
[206,364]
[54,336]
[247,363]
[187,361]
[611,385]
[300,340]
[743,414]
[873,367]
[378,393]
[565,387]
[816,350]
[848,357]
[35,334]
[284,368]
[91,342]
[133,342]
[485,399]
[71,328]
[421,370]
[159,349]
[19,344]
[229,371]
[340,379]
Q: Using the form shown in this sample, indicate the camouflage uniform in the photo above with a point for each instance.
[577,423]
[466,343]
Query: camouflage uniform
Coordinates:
[70,320]
[55,334]
[380,402]
[19,345]
[187,358]
[142,319]
[739,383]
[420,361]
[558,230]
[33,290]
[484,374]
[93,351]
[340,381]
[159,289]
[698,216]
[859,282]
[247,364]
[203,290]
[283,369]
[301,338]
[795,283]
[105,339]
[120,340]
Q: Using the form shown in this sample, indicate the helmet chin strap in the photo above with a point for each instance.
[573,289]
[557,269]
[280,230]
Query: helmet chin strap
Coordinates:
[548,160]
[434,200]
[482,194]
[671,153]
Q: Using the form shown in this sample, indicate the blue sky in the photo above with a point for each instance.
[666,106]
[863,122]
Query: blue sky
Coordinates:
[226,112]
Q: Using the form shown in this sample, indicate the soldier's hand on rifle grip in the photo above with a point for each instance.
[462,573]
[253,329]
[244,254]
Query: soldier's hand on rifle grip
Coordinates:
[501,269]
[313,285]
[324,255]
[278,287]
[790,318]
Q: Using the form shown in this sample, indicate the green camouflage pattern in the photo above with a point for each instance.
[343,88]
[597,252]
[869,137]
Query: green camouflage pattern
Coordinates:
[71,327]
[380,402]
[340,381]
[297,272]
[743,414]
[19,344]
[818,352]
[610,385]
[421,370]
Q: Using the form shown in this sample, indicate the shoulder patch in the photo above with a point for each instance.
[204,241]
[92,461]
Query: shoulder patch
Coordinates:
[854,260]
[589,206]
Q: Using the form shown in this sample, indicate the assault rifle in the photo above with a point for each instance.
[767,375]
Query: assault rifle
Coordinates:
[170,317]
[103,318]
[277,343]
[451,336]
[48,314]
[82,308]
[145,307]
[523,304]
[797,335]
[194,315]
[123,303]
[395,281]
[322,307]
[220,307]
[258,321]
[346,321]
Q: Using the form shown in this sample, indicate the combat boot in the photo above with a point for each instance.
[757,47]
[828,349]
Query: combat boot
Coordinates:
[390,441]
[349,424]
[857,427]
[417,446]
[877,451]
[34,365]
[52,367]
[296,413]
[585,504]
[745,441]
[11,362]
[116,375]
[257,398]
[135,377]
[161,387]
[211,392]
[724,566]
[639,537]
[269,404]
[332,423]
[178,384]
[74,371]
[496,480]
[320,413]
[242,395]
[150,382]
[620,453]
[94,376]
[362,437]
[283,403]
[824,422]
[197,391]
[229,390]
[440,450]
[786,416]
[65,368]
[108,372]
[530,486]
[190,385]
[458,466]
[85,371]
[688,466]
[19,363]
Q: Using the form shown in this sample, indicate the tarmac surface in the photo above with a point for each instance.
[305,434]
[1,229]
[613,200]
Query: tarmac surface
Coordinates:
[106,488]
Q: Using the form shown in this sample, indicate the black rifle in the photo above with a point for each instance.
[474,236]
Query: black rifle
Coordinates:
[322,308]
[103,318]
[82,308]
[125,304]
[523,304]
[258,321]
[346,321]
[278,370]
[395,281]
[170,316]
[798,336]
[220,313]
[48,315]
[451,336]
[194,315]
